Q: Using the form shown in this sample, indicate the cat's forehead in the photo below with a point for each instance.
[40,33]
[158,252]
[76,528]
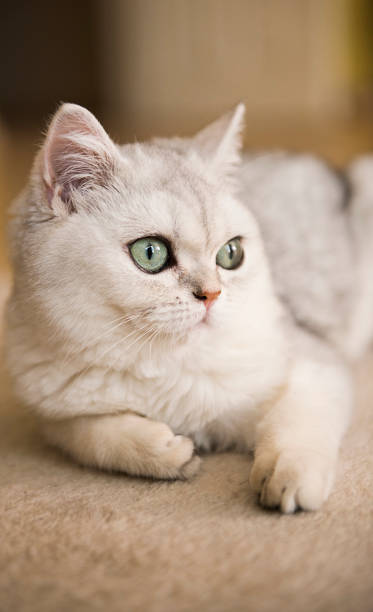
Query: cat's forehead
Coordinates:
[152,166]
[170,194]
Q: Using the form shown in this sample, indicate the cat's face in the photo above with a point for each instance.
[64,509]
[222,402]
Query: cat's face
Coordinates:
[151,232]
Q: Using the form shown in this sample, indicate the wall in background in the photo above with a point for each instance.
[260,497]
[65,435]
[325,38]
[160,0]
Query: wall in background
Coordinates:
[171,64]
[165,66]
[304,68]
[49,53]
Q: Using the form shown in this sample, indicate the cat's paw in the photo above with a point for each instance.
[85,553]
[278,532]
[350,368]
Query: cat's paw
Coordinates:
[292,479]
[173,455]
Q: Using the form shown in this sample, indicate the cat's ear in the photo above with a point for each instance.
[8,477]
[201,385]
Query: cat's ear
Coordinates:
[219,144]
[77,155]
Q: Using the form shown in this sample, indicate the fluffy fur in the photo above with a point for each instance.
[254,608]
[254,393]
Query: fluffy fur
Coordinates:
[126,369]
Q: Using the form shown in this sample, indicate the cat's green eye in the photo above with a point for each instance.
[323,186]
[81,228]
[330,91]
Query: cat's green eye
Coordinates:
[150,254]
[230,255]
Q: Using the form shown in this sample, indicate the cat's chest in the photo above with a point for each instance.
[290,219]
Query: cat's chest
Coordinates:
[188,389]
[196,383]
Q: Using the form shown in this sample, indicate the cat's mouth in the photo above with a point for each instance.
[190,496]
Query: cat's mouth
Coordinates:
[174,321]
[205,319]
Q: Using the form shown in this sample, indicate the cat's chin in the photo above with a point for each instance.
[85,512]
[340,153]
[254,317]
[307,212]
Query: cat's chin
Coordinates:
[204,322]
[201,326]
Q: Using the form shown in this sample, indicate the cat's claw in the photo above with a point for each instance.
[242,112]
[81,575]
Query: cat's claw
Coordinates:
[292,479]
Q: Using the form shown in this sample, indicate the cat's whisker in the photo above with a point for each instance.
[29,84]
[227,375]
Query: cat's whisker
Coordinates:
[71,355]
[151,342]
[123,317]
[145,338]
[141,337]
[121,340]
[122,320]
[109,349]
[144,334]
[91,345]
[150,339]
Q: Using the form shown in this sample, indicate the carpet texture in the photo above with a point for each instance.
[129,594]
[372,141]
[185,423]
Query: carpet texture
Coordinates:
[75,539]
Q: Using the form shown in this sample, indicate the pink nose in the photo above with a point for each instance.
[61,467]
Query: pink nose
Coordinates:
[208,297]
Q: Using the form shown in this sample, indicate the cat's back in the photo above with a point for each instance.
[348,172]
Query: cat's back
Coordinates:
[301,208]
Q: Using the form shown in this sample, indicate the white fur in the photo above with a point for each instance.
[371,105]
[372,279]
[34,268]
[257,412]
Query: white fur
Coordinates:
[93,342]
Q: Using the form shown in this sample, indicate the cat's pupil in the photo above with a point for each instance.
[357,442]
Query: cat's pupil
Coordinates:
[149,251]
[231,251]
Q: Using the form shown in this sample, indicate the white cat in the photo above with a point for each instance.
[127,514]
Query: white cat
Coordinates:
[166,297]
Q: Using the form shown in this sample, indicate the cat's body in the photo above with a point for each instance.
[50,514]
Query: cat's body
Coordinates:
[96,344]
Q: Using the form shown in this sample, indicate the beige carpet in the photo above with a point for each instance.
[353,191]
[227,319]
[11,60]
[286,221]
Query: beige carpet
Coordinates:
[74,539]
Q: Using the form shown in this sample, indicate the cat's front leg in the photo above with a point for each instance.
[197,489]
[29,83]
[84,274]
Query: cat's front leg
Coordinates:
[298,437]
[125,442]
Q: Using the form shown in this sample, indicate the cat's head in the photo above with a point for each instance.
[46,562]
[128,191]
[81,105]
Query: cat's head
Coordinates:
[151,231]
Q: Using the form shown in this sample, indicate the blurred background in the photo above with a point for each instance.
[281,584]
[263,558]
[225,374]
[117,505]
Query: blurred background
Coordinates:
[304,69]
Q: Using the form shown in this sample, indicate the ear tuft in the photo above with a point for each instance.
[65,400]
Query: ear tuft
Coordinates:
[220,142]
[77,154]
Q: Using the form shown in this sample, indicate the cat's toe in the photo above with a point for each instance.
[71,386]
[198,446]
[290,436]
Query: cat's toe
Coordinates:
[191,467]
[261,471]
[177,456]
[314,489]
[293,480]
